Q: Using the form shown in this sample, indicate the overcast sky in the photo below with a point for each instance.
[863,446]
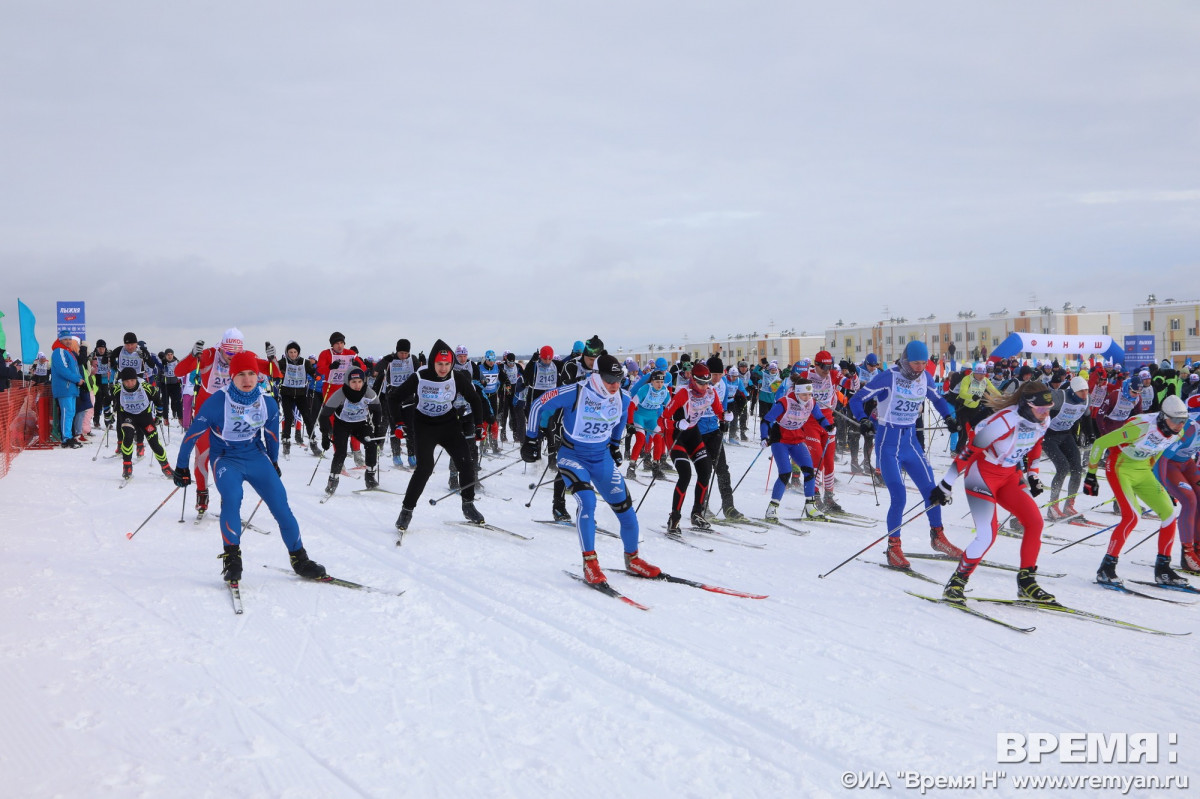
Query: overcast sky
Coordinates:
[508,174]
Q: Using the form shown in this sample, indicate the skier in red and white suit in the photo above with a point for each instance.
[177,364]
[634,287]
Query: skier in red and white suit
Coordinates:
[214,376]
[332,365]
[821,442]
[1000,464]
[690,402]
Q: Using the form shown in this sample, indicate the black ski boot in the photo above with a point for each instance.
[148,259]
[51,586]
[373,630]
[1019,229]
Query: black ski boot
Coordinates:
[454,481]
[201,500]
[232,570]
[332,485]
[673,526]
[371,478]
[1164,574]
[699,522]
[404,519]
[560,512]
[471,513]
[1107,572]
[287,448]
[1027,587]
[304,567]
[953,592]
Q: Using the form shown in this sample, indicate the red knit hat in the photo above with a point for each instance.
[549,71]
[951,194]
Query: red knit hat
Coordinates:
[244,361]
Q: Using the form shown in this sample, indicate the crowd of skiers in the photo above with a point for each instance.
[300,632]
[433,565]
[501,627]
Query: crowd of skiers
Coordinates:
[593,412]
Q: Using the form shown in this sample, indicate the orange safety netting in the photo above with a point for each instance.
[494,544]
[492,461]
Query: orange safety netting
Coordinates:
[19,421]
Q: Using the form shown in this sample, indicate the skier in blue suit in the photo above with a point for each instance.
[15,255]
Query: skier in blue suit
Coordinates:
[899,393]
[594,412]
[244,447]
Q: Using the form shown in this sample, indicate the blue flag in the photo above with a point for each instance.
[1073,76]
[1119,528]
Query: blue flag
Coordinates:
[29,344]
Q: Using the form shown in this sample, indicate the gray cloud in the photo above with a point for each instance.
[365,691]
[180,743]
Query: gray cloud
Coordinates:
[507,175]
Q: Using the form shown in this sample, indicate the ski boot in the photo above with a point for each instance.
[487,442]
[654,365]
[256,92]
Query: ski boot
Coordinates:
[631,472]
[831,504]
[232,570]
[404,519]
[1027,587]
[656,471]
[1164,574]
[640,567]
[673,525]
[1054,513]
[332,485]
[287,448]
[398,461]
[359,458]
[314,447]
[953,592]
[1069,509]
[141,450]
[304,567]
[371,478]
[772,514]
[201,500]
[591,569]
[733,514]
[560,511]
[412,461]
[1107,573]
[699,522]
[127,470]
[895,554]
[647,464]
[166,470]
[1190,559]
[454,481]
[939,543]
[471,513]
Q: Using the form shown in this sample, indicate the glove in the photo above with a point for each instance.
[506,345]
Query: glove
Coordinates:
[831,430]
[182,477]
[325,443]
[270,350]
[615,451]
[729,416]
[531,450]
[976,397]
[197,348]
[723,426]
[629,429]
[480,432]
[682,424]
[1091,486]
[952,424]
[278,471]
[763,443]
[941,494]
[866,426]
[1035,485]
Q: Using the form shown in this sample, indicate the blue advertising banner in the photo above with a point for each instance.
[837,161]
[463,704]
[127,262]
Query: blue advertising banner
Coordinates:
[1139,351]
[70,317]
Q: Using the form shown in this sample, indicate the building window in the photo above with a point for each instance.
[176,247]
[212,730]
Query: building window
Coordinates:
[1104,330]
[935,338]
[1191,331]
[970,336]
[1175,323]
[958,336]
[849,342]
[888,340]
[858,348]
[1146,326]
[1176,346]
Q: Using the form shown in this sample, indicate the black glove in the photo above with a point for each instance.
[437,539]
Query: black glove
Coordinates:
[1035,485]
[976,397]
[270,350]
[182,477]
[941,494]
[952,424]
[480,432]
[866,426]
[615,451]
[1091,486]
[531,450]
[629,429]
[278,471]
[325,442]
[197,348]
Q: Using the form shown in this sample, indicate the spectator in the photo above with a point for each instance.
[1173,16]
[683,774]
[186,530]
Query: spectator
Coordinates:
[65,380]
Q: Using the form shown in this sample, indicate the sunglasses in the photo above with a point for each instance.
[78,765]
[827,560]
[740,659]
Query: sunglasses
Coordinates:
[610,378]
[704,381]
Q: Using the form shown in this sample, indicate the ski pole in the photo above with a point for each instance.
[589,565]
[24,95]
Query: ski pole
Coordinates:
[647,491]
[539,484]
[476,482]
[251,517]
[751,466]
[151,516]
[1144,540]
[916,515]
[183,507]
[1085,538]
[770,463]
[103,443]
[318,466]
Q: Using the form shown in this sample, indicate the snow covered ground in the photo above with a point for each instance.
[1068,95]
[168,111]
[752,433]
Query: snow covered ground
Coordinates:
[126,673]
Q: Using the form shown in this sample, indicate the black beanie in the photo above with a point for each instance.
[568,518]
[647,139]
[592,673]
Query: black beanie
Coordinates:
[335,337]
[403,345]
[130,338]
